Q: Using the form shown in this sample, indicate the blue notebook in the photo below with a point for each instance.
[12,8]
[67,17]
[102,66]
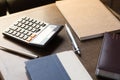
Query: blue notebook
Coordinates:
[56,67]
[46,68]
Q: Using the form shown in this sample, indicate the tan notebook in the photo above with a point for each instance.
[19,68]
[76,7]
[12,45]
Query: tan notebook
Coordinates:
[89,19]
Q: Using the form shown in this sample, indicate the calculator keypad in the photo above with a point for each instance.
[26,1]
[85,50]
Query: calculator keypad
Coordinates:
[26,29]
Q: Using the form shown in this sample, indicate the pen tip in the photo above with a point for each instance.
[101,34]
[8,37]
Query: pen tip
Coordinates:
[78,52]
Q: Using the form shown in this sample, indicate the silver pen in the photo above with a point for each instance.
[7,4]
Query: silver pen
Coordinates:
[75,46]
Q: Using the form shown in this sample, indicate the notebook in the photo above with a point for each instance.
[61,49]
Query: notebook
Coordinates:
[61,66]
[12,67]
[109,58]
[89,19]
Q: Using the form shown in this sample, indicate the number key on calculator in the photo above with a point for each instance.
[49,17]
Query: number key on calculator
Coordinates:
[32,31]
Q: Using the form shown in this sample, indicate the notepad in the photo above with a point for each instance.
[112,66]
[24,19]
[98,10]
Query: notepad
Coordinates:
[61,66]
[88,19]
[109,58]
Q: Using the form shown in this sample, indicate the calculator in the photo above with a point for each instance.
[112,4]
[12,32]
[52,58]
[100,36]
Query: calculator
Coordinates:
[32,31]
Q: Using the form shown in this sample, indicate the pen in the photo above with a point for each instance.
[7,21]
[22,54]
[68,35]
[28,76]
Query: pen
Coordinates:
[31,56]
[75,46]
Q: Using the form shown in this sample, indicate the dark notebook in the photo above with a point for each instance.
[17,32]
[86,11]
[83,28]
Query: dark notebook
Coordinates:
[109,58]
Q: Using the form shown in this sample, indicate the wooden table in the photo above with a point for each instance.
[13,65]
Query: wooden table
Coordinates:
[13,66]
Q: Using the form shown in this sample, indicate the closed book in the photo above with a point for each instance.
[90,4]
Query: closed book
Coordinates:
[109,58]
[88,19]
[61,66]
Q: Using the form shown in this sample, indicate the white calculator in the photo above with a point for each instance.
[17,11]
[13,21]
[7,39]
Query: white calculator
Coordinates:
[32,31]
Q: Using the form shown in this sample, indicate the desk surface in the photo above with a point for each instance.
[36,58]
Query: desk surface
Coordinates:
[90,49]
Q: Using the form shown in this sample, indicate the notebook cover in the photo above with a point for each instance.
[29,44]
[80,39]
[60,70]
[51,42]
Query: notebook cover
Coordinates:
[47,68]
[109,59]
[89,19]
[61,66]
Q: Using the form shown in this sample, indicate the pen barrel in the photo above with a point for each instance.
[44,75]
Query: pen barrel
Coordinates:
[30,56]
[75,46]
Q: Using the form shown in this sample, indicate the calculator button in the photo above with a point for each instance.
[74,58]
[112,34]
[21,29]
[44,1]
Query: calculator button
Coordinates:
[25,37]
[34,24]
[27,22]
[27,18]
[33,30]
[18,29]
[37,30]
[33,35]
[30,28]
[29,39]
[18,34]
[22,30]
[10,31]
[31,20]
[29,33]
[16,24]
[19,24]
[14,28]
[34,21]
[23,25]
[25,32]
[14,33]
[26,27]
[23,21]
[21,36]
[43,25]
[37,22]
[38,26]
[30,24]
